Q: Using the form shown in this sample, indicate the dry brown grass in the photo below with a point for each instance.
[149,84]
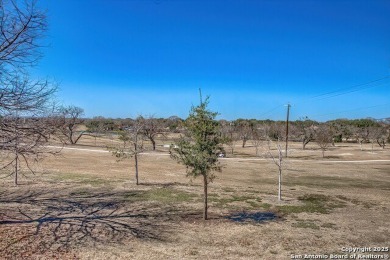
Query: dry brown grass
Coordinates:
[84,205]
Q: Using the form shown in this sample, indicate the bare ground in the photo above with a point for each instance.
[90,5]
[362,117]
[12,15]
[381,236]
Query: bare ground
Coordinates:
[85,205]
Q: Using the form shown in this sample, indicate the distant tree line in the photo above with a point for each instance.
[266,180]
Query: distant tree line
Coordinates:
[242,131]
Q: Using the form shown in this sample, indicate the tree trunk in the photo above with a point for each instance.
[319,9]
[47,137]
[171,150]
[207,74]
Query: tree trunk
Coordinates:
[16,152]
[243,142]
[153,144]
[78,138]
[280,184]
[71,136]
[16,168]
[136,158]
[205,197]
[323,153]
[136,168]
[304,143]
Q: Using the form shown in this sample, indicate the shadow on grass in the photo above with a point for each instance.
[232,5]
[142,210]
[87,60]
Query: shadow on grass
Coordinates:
[255,217]
[76,219]
[159,184]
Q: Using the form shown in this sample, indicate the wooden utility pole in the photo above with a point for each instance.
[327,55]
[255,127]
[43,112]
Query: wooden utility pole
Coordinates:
[288,115]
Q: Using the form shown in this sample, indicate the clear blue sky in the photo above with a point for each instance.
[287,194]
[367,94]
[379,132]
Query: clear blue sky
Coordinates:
[123,58]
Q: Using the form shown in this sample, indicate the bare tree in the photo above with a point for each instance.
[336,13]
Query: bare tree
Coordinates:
[25,125]
[21,29]
[22,26]
[379,135]
[257,136]
[229,134]
[279,161]
[70,120]
[362,135]
[151,129]
[324,138]
[244,128]
[304,129]
[276,131]
[363,130]
[24,142]
[133,144]
[24,94]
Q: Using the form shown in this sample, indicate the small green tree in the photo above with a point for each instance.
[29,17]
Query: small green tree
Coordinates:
[199,149]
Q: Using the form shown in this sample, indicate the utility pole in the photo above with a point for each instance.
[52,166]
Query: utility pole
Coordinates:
[288,115]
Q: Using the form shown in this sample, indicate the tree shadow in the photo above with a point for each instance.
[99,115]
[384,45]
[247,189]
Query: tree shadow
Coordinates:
[161,184]
[78,218]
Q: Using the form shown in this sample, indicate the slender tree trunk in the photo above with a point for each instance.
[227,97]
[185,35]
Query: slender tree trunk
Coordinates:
[323,153]
[16,167]
[78,138]
[136,161]
[280,184]
[243,142]
[153,144]
[71,136]
[205,197]
[16,152]
[304,143]
[136,168]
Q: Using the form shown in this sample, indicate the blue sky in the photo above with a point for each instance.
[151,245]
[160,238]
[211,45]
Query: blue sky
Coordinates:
[118,58]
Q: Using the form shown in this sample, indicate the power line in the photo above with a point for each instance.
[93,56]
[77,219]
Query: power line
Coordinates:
[352,91]
[270,111]
[350,110]
[343,91]
[349,89]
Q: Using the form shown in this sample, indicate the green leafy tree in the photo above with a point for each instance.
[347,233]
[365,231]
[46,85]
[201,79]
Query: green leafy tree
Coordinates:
[199,149]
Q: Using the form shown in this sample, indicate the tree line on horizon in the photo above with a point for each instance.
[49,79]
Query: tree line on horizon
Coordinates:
[303,130]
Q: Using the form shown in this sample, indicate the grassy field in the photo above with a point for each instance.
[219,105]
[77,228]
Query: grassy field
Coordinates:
[85,205]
